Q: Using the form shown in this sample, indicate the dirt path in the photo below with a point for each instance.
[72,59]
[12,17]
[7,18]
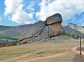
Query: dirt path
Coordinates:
[34,59]
[74,49]
[40,58]
[11,59]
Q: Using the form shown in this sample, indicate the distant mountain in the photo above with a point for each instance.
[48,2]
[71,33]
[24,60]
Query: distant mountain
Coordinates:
[13,31]
[20,31]
[74,29]
[4,27]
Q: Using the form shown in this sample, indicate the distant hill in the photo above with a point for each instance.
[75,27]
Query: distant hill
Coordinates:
[13,31]
[18,32]
[4,27]
[10,34]
[74,29]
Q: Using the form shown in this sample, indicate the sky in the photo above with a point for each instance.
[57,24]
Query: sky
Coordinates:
[19,12]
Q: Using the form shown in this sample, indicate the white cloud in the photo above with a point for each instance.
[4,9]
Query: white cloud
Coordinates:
[21,17]
[31,6]
[42,14]
[15,9]
[68,8]
[12,6]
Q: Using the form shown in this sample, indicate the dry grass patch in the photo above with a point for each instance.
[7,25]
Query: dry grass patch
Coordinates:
[33,50]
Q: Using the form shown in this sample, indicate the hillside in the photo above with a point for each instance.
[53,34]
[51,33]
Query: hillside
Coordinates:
[15,31]
[44,41]
[76,27]
[58,49]
[74,30]
[2,28]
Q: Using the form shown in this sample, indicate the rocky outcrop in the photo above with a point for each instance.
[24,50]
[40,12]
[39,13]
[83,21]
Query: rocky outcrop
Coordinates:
[42,30]
[54,24]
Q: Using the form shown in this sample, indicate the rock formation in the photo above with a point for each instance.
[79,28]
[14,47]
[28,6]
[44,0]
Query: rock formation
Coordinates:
[42,30]
[54,23]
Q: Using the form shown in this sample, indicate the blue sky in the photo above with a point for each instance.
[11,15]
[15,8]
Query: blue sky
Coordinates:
[18,12]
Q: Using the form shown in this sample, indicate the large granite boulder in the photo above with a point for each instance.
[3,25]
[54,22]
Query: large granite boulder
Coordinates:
[56,18]
[54,24]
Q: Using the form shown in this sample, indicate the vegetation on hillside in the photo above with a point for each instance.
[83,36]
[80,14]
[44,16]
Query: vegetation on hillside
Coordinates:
[73,34]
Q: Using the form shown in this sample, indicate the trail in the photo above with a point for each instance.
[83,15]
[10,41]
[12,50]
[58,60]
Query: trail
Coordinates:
[15,58]
[74,49]
[40,58]
[34,59]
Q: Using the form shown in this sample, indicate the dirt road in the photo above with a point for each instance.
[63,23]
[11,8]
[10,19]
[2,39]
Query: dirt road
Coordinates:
[74,49]
[34,59]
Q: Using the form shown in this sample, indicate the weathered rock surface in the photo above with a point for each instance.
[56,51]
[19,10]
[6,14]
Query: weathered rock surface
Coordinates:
[42,30]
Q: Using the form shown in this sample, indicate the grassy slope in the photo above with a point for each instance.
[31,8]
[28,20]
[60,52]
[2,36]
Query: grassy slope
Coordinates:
[49,47]
[64,58]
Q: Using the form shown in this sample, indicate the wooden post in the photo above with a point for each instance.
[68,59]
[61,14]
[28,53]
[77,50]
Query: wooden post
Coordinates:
[80,45]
